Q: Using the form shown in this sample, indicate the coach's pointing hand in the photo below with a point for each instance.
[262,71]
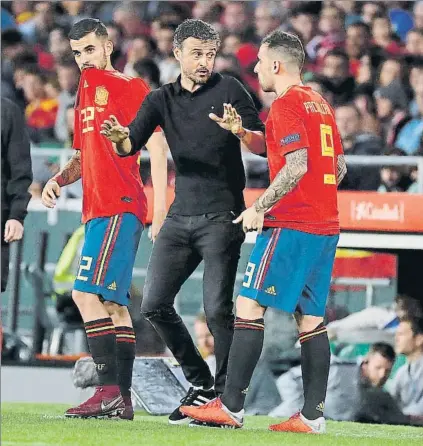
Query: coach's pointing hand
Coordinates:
[251,220]
[230,121]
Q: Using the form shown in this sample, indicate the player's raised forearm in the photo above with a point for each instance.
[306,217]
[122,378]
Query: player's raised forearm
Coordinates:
[158,148]
[253,141]
[341,169]
[288,177]
[71,172]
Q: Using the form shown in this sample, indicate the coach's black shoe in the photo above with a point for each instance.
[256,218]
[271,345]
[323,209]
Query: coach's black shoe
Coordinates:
[194,397]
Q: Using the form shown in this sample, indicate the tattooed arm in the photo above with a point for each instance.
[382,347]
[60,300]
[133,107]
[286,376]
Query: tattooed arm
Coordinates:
[296,166]
[285,180]
[341,169]
[68,175]
[71,172]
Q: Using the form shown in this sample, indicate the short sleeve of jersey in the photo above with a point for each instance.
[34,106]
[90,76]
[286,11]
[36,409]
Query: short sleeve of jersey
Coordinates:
[339,150]
[289,131]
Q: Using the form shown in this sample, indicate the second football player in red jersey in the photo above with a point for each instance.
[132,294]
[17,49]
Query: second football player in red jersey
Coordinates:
[297,220]
[114,212]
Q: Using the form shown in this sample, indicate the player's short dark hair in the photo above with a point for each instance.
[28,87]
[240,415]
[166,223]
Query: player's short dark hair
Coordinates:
[384,350]
[197,29]
[87,26]
[289,44]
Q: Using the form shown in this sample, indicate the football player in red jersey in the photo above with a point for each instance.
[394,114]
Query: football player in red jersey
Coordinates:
[114,212]
[298,229]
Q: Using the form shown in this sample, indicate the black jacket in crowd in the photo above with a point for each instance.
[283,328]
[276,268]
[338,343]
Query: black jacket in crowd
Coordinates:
[16,172]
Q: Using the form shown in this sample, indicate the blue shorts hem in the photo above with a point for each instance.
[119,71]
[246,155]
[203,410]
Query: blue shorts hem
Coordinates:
[108,295]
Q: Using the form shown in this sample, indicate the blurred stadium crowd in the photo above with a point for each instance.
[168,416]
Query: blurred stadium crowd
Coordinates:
[365,57]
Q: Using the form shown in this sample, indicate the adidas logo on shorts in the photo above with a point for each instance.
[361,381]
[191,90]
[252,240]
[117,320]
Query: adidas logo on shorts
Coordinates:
[112,286]
[271,290]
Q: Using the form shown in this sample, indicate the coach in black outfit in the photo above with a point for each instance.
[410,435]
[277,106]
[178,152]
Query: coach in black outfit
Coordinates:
[16,177]
[195,113]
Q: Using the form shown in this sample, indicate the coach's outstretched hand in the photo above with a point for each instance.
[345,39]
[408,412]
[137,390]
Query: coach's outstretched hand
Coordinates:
[230,121]
[51,191]
[251,220]
[114,131]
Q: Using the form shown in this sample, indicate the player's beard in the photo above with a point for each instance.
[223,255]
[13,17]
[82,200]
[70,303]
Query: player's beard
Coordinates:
[103,63]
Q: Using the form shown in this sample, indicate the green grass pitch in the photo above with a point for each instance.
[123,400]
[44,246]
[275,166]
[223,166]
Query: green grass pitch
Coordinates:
[44,424]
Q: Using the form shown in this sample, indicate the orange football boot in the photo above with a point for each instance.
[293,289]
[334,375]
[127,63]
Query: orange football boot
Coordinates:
[214,413]
[297,423]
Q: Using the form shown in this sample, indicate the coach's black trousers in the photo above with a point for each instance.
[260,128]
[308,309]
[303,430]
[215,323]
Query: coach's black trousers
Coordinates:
[182,243]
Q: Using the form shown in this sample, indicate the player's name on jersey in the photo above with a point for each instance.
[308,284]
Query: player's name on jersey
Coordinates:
[317,107]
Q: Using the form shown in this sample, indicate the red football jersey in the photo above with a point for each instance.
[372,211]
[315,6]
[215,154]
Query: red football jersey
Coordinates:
[302,119]
[111,184]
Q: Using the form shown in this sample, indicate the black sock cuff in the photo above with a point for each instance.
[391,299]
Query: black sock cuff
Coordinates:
[125,335]
[99,327]
[320,330]
[249,324]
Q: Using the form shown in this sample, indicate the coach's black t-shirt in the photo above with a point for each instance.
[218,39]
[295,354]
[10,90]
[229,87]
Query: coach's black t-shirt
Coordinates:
[209,170]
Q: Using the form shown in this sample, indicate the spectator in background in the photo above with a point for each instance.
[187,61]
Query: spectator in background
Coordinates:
[140,48]
[37,29]
[52,86]
[168,65]
[68,76]
[391,105]
[369,10]
[127,16]
[369,67]
[236,18]
[209,11]
[390,177]
[355,142]
[59,43]
[414,42]
[41,111]
[331,34]
[407,385]
[74,11]
[336,76]
[358,36]
[267,17]
[303,22]
[227,62]
[410,135]
[418,14]
[391,70]
[383,35]
[149,72]
[22,10]
[118,57]
[231,44]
